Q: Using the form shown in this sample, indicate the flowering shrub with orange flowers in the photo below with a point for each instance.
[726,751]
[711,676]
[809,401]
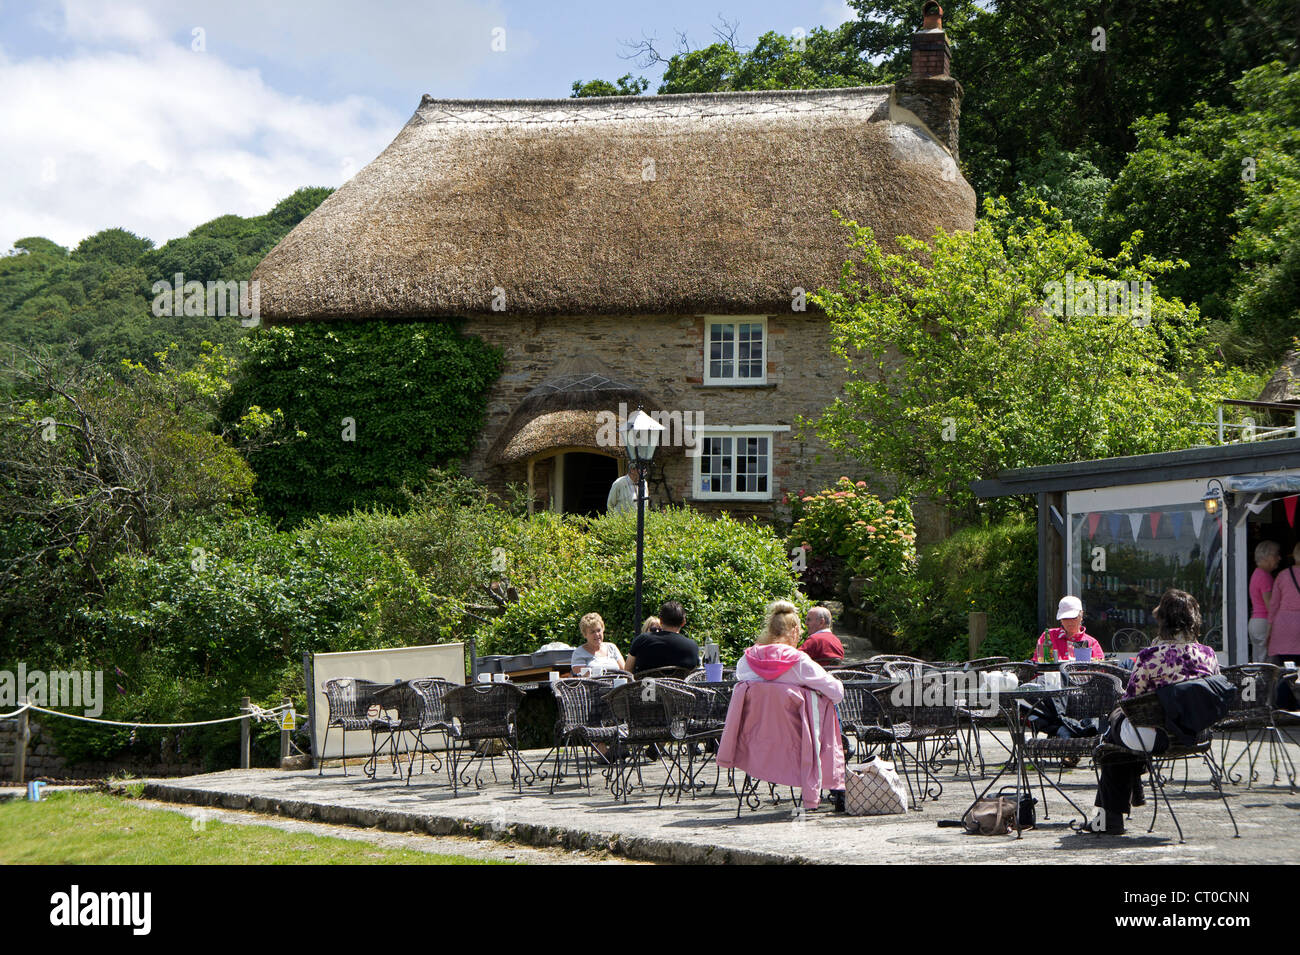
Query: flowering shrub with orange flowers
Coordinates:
[847,526]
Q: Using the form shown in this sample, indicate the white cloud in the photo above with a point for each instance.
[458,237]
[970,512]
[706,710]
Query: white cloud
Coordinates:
[159,139]
[835,12]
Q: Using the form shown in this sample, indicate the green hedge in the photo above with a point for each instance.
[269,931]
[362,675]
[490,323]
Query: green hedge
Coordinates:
[225,609]
[992,569]
[725,572]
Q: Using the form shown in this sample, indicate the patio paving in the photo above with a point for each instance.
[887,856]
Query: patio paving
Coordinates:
[705,829]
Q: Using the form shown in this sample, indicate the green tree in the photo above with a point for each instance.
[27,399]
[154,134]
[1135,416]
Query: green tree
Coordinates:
[958,367]
[1223,194]
[625,85]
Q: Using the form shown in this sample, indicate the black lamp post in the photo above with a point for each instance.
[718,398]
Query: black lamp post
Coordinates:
[641,436]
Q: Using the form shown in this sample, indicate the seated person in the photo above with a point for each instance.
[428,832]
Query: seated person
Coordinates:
[595,649]
[651,623]
[822,645]
[1070,616]
[775,659]
[1176,659]
[666,645]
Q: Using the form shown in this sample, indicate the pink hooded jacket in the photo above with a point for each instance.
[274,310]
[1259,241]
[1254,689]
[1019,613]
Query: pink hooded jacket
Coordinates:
[779,729]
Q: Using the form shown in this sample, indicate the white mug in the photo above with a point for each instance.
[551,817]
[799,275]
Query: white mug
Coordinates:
[554,676]
[498,678]
[485,677]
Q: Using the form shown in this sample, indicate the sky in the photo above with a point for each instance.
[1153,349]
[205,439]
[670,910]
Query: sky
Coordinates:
[158,115]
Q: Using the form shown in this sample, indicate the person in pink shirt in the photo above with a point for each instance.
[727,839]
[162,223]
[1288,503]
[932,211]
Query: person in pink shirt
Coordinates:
[1069,613]
[1284,614]
[1268,554]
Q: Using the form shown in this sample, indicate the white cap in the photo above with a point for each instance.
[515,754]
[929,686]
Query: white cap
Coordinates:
[1069,608]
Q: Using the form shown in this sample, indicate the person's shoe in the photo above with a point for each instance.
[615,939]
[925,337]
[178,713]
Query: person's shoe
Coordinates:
[1105,824]
[837,801]
[1069,762]
[1139,794]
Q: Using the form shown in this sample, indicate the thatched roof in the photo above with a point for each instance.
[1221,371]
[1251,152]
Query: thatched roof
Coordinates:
[1285,383]
[688,203]
[562,411]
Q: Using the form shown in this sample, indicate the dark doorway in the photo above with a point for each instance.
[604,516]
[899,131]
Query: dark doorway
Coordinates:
[587,479]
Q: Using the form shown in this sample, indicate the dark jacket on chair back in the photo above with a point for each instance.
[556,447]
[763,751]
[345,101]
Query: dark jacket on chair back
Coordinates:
[1193,706]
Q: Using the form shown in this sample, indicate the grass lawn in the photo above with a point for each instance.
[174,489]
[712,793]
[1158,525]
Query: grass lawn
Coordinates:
[96,829]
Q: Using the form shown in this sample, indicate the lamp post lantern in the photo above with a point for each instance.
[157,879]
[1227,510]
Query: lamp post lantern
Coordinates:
[1213,499]
[641,437]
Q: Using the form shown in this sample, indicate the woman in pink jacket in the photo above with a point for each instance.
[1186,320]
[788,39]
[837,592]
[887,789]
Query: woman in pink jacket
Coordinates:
[774,658]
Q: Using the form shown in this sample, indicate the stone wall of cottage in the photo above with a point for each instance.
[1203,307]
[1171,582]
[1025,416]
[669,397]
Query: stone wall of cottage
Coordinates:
[664,355]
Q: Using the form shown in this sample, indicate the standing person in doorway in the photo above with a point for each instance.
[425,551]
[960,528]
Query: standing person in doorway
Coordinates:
[622,493]
[1268,555]
[1284,626]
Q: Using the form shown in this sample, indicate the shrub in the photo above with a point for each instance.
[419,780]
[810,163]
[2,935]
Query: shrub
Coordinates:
[992,569]
[869,538]
[725,572]
[226,609]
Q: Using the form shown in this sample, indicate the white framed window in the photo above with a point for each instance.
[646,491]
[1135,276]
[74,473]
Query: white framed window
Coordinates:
[735,351]
[735,463]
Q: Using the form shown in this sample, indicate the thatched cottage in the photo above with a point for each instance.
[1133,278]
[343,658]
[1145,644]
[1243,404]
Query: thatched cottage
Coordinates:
[637,250]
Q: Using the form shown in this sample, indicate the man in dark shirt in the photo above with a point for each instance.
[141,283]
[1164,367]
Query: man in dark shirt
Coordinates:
[665,646]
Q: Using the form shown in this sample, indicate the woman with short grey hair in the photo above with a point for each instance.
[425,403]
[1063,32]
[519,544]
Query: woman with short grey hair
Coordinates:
[1268,554]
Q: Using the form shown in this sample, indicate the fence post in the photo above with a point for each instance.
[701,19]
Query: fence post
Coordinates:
[245,738]
[284,733]
[977,628]
[20,745]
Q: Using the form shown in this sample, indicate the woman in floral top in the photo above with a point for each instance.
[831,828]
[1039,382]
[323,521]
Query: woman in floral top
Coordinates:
[1176,659]
[1167,663]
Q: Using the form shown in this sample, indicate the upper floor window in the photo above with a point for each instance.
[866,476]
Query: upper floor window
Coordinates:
[735,352]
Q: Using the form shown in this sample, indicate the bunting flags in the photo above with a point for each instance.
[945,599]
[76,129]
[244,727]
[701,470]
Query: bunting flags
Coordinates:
[1155,522]
[1198,519]
[1135,524]
[1176,522]
[1093,520]
[1114,521]
[1288,505]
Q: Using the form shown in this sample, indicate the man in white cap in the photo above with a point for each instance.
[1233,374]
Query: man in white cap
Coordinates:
[1069,613]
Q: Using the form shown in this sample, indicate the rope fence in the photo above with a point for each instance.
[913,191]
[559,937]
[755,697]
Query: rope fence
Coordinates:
[283,715]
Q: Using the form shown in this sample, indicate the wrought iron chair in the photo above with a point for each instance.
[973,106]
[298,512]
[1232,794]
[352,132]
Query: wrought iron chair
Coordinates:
[916,722]
[1146,711]
[650,712]
[983,662]
[350,702]
[1096,691]
[665,673]
[431,717]
[584,720]
[862,718]
[480,713]
[1253,713]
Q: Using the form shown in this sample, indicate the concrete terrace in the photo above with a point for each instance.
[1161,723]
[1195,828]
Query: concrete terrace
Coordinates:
[705,829]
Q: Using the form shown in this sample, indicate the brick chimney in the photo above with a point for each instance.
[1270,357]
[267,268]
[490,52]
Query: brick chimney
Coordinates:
[931,54]
[930,92]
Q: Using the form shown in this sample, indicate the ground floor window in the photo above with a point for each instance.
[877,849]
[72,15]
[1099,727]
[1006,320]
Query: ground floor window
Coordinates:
[734,465]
